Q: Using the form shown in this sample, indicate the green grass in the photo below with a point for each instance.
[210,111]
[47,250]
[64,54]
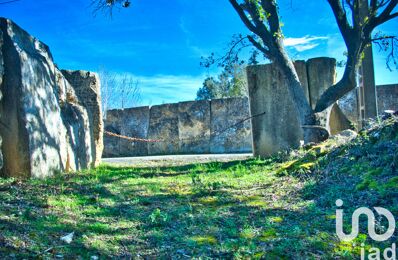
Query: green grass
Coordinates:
[282,207]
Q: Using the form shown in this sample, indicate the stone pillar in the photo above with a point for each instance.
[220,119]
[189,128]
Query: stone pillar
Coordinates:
[194,127]
[163,125]
[321,75]
[44,127]
[87,88]
[301,69]
[368,87]
[275,125]
[367,73]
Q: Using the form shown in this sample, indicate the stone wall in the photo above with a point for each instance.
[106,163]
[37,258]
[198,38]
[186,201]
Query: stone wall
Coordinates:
[193,127]
[46,123]
[127,122]
[387,97]
[201,127]
[230,127]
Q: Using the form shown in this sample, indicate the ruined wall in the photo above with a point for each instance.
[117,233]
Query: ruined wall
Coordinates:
[193,127]
[163,125]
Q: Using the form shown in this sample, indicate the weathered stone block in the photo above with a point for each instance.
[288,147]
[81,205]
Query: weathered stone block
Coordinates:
[132,122]
[44,127]
[387,97]
[229,132]
[112,124]
[275,125]
[135,124]
[321,75]
[163,125]
[301,69]
[87,88]
[349,106]
[338,122]
[194,127]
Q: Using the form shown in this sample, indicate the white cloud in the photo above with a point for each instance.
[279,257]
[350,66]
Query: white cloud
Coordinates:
[304,43]
[189,39]
[305,47]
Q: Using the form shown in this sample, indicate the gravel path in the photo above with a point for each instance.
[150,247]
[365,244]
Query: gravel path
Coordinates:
[172,160]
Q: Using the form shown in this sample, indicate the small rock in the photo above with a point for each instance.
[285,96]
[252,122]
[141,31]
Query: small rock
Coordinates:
[345,136]
[387,114]
[94,257]
[348,133]
[68,238]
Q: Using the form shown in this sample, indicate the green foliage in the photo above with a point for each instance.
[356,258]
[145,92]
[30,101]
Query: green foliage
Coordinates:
[230,83]
[158,217]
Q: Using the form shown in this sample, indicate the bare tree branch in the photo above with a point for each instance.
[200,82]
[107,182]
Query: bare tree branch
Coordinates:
[243,16]
[385,14]
[259,46]
[341,19]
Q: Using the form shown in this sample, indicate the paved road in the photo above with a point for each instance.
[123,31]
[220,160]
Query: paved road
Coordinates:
[170,160]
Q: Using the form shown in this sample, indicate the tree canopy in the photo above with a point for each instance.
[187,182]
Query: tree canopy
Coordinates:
[230,83]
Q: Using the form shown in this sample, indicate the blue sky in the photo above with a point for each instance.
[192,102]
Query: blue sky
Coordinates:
[160,42]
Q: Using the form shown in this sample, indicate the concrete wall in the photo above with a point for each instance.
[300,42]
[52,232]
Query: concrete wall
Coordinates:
[193,127]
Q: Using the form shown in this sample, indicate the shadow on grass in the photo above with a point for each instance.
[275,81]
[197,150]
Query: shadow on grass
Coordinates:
[130,224]
[168,212]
